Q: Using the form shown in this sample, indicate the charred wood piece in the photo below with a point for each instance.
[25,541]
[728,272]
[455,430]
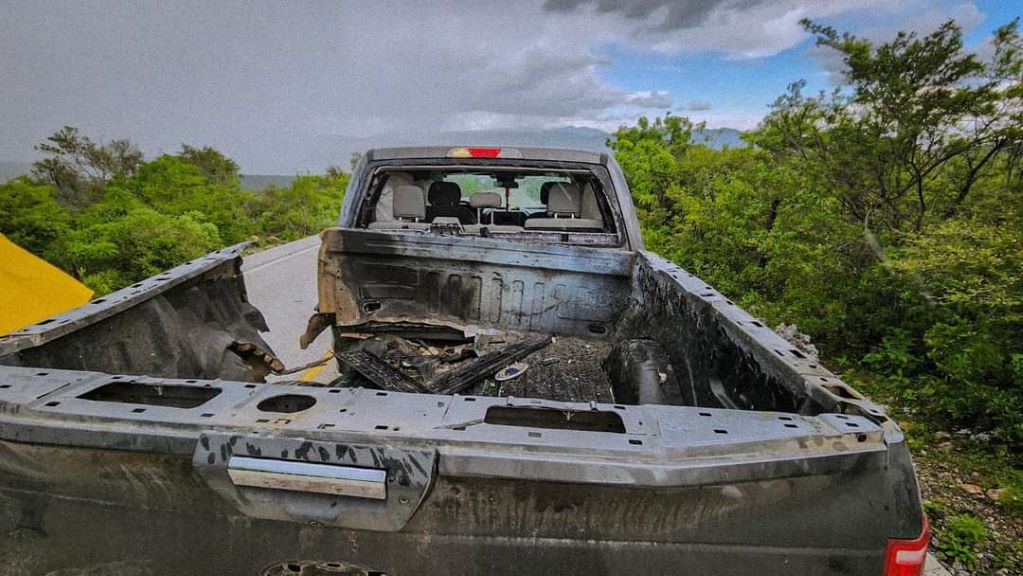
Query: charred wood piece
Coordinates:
[484,366]
[379,372]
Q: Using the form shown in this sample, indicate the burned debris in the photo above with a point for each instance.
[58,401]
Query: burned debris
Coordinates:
[438,366]
[522,365]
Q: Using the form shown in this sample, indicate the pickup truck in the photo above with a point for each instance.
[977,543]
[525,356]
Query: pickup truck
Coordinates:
[522,389]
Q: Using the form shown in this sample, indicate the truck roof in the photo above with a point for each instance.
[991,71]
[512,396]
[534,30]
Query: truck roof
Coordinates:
[500,152]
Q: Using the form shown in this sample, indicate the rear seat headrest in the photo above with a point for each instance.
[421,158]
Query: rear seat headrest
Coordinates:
[485,200]
[545,191]
[564,199]
[445,194]
[408,202]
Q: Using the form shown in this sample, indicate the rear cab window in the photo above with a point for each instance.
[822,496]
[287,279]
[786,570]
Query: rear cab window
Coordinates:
[565,203]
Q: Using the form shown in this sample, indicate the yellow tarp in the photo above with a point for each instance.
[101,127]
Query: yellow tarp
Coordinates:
[32,289]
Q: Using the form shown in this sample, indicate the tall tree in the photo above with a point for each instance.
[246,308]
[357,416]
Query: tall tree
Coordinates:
[910,108]
[78,167]
[218,168]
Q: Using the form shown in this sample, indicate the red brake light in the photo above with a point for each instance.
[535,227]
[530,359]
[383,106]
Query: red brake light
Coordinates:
[484,152]
[907,557]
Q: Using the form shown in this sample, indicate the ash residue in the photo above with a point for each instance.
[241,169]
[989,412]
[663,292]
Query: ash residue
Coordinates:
[568,369]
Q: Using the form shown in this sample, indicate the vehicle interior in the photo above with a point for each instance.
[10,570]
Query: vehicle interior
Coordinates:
[469,200]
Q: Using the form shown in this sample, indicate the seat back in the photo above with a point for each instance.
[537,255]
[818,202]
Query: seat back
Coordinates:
[409,203]
[564,207]
[564,200]
[481,200]
[444,197]
[545,191]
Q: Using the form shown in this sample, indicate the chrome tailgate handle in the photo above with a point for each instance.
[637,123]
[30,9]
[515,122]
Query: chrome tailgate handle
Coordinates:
[308,477]
[327,481]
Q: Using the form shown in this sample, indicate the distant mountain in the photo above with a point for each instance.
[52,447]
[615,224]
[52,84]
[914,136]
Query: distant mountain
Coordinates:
[718,138]
[568,137]
[315,154]
[10,170]
[304,154]
[260,182]
[300,155]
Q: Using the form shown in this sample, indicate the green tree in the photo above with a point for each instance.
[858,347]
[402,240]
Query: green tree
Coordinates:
[140,243]
[78,167]
[218,168]
[175,185]
[309,205]
[30,215]
[912,107]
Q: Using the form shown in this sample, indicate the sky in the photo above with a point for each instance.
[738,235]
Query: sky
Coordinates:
[289,87]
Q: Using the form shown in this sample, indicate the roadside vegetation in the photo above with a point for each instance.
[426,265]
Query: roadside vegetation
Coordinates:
[885,218]
[110,218]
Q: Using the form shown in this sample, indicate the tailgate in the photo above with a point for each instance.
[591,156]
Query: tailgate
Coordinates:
[248,478]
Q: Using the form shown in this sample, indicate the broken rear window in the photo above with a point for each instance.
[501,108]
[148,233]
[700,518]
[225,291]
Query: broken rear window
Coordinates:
[558,204]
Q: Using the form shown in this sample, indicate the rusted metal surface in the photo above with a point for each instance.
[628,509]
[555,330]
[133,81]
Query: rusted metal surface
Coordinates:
[117,302]
[728,357]
[641,372]
[463,526]
[55,408]
[190,322]
[473,283]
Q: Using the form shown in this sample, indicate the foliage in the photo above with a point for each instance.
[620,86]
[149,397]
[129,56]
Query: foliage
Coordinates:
[77,167]
[175,185]
[1012,496]
[217,168]
[110,218]
[138,244]
[884,218]
[310,204]
[962,535]
[30,215]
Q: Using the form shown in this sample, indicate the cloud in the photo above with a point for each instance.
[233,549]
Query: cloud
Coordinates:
[648,99]
[738,28]
[247,76]
[265,81]
[920,16]
[673,15]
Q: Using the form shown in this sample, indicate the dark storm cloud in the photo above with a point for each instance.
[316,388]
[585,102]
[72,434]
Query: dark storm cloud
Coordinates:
[263,80]
[285,86]
[673,14]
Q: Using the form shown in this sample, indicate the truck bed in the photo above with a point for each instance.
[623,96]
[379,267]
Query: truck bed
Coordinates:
[619,321]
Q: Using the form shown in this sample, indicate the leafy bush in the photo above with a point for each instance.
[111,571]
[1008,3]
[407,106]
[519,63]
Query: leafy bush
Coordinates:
[1012,495]
[140,244]
[30,215]
[110,218]
[961,537]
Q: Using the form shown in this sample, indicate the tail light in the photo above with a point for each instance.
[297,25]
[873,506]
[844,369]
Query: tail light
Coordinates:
[474,152]
[907,557]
